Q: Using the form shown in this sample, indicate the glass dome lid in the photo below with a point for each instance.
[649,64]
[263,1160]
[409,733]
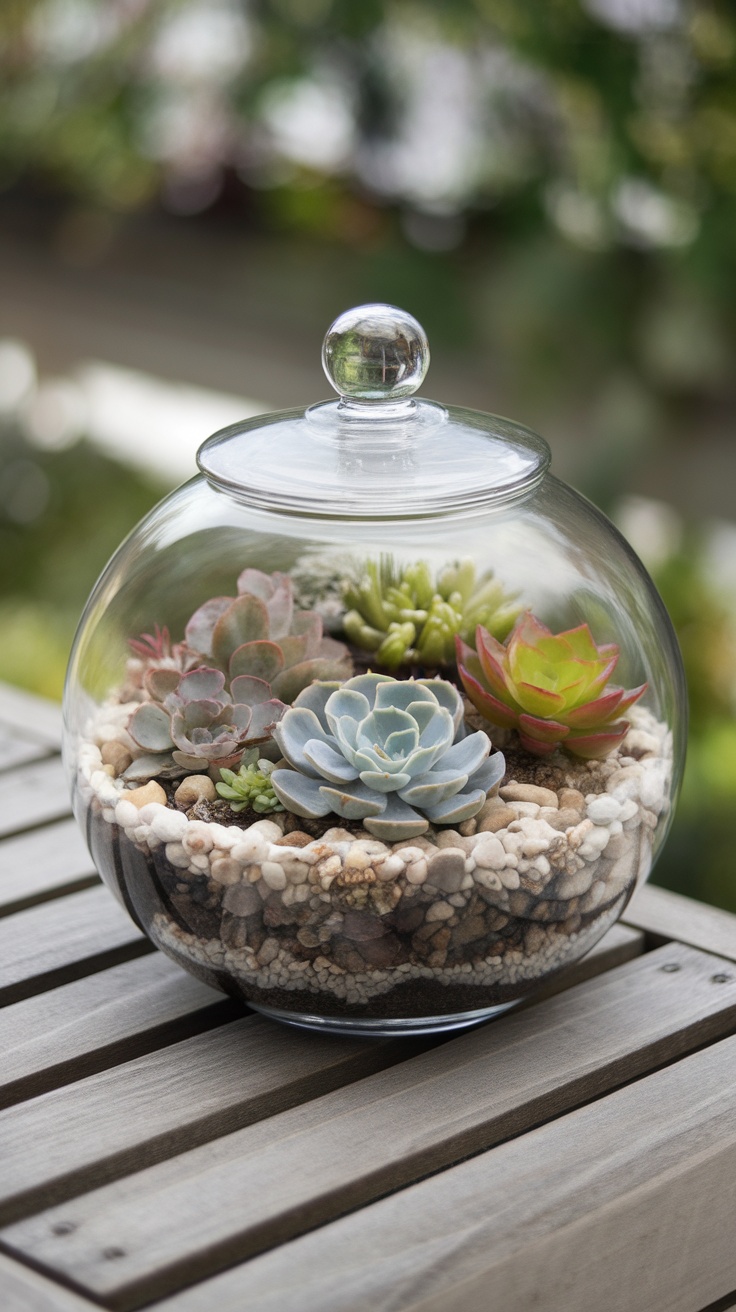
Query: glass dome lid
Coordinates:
[374,724]
[376,452]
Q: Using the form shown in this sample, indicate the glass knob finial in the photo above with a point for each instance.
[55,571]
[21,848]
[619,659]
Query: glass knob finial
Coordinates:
[375,353]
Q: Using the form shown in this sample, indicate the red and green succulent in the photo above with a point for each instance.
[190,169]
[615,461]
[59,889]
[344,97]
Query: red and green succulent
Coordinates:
[553,688]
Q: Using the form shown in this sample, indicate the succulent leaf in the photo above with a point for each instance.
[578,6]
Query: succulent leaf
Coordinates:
[262,658]
[290,682]
[408,617]
[552,688]
[245,620]
[353,751]
[199,630]
[225,687]
[251,786]
[150,727]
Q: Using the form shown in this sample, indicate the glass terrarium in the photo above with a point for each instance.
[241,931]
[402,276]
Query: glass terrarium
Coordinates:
[374,724]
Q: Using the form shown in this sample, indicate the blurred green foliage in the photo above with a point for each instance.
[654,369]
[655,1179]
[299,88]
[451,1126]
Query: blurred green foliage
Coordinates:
[62,514]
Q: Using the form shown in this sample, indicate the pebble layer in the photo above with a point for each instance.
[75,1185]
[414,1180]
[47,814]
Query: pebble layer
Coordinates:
[496,905]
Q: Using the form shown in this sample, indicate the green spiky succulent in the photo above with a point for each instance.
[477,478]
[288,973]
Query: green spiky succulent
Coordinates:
[250,787]
[408,617]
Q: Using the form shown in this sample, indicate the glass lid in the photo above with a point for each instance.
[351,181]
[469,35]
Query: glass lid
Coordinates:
[377,452]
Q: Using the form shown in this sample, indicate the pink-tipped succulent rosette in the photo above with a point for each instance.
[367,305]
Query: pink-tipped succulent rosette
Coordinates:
[553,688]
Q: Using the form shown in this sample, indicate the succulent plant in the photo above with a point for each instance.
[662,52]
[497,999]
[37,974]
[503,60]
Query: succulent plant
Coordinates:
[259,633]
[193,723]
[389,752]
[251,786]
[552,688]
[408,617]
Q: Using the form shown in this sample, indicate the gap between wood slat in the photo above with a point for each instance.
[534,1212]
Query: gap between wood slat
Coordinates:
[723,1304]
[43,864]
[33,795]
[177,1122]
[626,1204]
[123,1119]
[186,1217]
[102,1021]
[24,1290]
[60,941]
[16,750]
[32,716]
[665,915]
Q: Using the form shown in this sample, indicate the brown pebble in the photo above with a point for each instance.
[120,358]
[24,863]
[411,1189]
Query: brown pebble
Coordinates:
[242,900]
[500,818]
[226,870]
[565,818]
[359,925]
[308,937]
[296,838]
[468,827]
[195,788]
[514,792]
[269,951]
[150,792]
[572,799]
[447,870]
[114,754]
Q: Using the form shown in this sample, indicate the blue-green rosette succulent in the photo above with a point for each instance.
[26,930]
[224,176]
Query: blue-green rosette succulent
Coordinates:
[392,753]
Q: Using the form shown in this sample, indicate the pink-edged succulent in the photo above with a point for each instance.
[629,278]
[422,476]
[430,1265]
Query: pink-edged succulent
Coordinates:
[553,688]
[260,633]
[193,723]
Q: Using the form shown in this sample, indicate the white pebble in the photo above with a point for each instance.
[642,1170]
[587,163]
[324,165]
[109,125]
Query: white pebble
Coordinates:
[251,847]
[388,868]
[176,856]
[148,813]
[267,830]
[127,815]
[490,853]
[274,875]
[410,854]
[603,809]
[595,842]
[489,879]
[197,838]
[227,836]
[416,871]
[628,810]
[169,826]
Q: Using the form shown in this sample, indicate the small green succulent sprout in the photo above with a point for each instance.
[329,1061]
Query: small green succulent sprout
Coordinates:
[408,617]
[392,753]
[250,787]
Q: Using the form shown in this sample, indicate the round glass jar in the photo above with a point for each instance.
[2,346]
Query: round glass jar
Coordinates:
[375,724]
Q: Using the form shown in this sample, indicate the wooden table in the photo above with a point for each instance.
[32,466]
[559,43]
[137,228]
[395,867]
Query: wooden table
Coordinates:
[159,1145]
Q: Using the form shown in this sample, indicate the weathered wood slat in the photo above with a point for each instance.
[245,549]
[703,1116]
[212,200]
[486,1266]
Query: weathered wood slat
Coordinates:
[33,795]
[32,716]
[124,1119]
[59,941]
[255,1188]
[23,1290]
[667,915]
[101,1021]
[42,863]
[16,749]
[626,1204]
